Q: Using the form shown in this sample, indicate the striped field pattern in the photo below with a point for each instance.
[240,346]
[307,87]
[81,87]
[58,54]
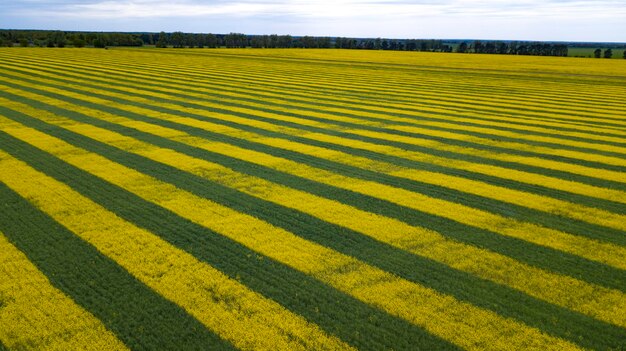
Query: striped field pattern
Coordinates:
[310,200]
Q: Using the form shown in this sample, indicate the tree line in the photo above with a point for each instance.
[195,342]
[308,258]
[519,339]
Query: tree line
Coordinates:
[238,40]
[608,53]
[61,38]
[513,48]
[235,40]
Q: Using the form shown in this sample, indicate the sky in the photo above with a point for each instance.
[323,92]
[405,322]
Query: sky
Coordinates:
[554,20]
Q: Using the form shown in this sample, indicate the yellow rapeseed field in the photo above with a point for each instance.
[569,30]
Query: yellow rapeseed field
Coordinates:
[263,199]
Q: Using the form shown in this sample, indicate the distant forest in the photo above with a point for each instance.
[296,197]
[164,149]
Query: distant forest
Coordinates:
[43,38]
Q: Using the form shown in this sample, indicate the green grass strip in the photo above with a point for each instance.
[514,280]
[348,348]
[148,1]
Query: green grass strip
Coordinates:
[139,317]
[521,213]
[449,141]
[151,86]
[298,78]
[485,75]
[322,101]
[357,323]
[427,150]
[226,67]
[493,180]
[540,256]
[505,301]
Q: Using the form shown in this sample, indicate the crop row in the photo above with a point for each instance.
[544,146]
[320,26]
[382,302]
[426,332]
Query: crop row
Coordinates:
[284,202]
[229,79]
[396,296]
[410,238]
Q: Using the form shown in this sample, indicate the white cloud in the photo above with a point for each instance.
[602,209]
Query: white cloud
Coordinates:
[321,8]
[531,19]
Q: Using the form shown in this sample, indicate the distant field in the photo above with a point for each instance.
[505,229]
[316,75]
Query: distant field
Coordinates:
[589,52]
[311,200]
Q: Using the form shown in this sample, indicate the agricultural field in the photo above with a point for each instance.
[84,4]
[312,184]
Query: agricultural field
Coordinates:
[618,53]
[291,199]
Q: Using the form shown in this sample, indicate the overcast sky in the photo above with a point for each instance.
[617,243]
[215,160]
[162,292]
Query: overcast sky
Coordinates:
[567,20]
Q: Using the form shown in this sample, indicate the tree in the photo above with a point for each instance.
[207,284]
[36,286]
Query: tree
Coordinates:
[23,42]
[275,41]
[345,43]
[502,48]
[235,40]
[462,48]
[200,40]
[98,43]
[177,39]
[625,54]
[597,53]
[162,41]
[283,41]
[257,42]
[378,44]
[58,38]
[323,42]
[338,42]
[411,45]
[608,53]
[490,47]
[211,41]
[308,42]
[479,47]
[78,42]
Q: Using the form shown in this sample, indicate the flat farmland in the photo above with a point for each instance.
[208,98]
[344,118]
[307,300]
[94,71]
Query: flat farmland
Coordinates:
[287,199]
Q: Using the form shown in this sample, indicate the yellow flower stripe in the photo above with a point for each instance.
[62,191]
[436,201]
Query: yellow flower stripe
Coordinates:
[385,121]
[527,177]
[428,88]
[497,171]
[428,84]
[602,252]
[595,136]
[535,161]
[598,302]
[245,318]
[465,112]
[35,315]
[395,80]
[459,322]
[386,118]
